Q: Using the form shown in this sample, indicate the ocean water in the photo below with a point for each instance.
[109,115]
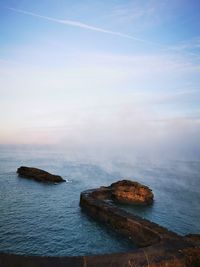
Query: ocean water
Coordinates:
[45,219]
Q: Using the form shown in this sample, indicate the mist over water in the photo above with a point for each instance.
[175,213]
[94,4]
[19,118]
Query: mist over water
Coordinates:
[129,133]
[41,219]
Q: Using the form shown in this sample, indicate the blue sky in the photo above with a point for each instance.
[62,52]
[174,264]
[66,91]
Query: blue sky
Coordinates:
[99,71]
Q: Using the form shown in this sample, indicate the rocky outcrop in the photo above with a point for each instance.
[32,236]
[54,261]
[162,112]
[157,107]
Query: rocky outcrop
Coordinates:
[126,191]
[39,175]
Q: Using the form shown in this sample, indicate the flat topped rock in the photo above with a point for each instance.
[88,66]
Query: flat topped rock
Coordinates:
[39,175]
[131,192]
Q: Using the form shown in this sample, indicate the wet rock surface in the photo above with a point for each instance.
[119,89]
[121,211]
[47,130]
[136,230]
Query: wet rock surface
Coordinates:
[39,175]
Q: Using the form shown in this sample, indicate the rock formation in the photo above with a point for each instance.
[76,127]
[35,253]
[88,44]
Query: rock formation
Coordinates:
[126,191]
[39,175]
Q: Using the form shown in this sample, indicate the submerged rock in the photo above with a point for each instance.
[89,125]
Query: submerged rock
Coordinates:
[39,175]
[126,191]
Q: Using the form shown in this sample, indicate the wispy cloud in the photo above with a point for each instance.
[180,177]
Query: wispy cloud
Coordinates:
[191,47]
[129,12]
[82,25]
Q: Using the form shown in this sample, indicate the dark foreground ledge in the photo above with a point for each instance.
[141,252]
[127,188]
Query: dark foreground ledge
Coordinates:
[158,247]
[155,256]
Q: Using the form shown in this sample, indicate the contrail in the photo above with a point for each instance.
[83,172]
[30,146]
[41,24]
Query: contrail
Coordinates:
[74,23]
[79,24]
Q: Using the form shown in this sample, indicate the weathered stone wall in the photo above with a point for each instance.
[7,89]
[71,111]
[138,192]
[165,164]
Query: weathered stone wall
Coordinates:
[157,245]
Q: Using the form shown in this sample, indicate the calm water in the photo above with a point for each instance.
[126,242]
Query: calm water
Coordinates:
[44,219]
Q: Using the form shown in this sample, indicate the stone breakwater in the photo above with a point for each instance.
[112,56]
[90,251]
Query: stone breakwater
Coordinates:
[157,246]
[99,204]
[39,175]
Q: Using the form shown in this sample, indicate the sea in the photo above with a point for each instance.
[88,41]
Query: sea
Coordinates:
[46,219]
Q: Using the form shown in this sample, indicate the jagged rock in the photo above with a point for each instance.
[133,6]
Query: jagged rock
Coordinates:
[39,175]
[131,192]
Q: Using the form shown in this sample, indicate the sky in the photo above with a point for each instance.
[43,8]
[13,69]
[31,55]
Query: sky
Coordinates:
[117,75]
